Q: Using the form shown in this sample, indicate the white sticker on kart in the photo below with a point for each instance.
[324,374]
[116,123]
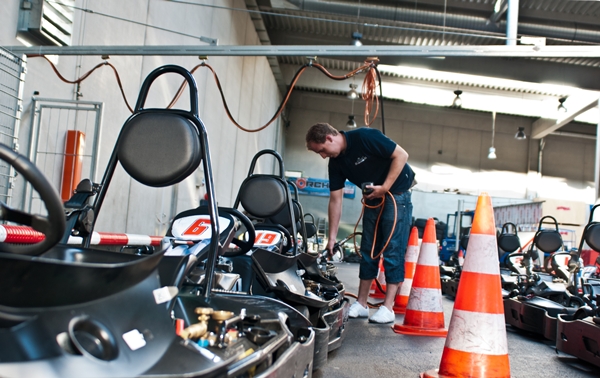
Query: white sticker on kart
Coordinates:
[134,339]
[266,238]
[196,227]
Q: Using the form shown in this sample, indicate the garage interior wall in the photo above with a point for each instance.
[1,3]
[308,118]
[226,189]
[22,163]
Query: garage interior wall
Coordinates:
[448,150]
[248,84]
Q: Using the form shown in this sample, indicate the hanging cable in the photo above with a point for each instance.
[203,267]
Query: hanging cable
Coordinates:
[86,75]
[369,87]
[380,100]
[365,67]
[369,94]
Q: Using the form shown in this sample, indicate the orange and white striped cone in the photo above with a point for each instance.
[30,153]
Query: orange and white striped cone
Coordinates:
[424,311]
[461,258]
[374,291]
[410,264]
[476,345]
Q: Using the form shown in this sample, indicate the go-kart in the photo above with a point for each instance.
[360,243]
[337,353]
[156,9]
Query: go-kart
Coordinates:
[541,297]
[450,273]
[511,256]
[277,266]
[80,312]
[580,331]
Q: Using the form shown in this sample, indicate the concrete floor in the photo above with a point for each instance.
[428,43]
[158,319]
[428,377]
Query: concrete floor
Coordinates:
[373,350]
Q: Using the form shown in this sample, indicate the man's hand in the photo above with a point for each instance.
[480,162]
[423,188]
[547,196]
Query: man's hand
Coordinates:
[329,248]
[378,192]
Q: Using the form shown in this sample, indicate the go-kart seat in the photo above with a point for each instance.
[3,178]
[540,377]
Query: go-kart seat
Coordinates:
[509,242]
[592,236]
[159,147]
[141,137]
[311,229]
[145,134]
[548,241]
[545,239]
[267,197]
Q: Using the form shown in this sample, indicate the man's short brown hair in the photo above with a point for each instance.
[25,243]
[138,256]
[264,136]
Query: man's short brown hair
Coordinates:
[318,133]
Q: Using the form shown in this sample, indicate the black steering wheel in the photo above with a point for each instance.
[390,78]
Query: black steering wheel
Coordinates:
[53,226]
[244,245]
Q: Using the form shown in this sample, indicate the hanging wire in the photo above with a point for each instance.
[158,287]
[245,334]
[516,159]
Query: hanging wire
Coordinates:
[369,87]
[358,17]
[381,100]
[86,75]
[493,126]
[369,94]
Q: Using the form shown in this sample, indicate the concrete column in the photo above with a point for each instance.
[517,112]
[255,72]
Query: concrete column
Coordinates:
[512,22]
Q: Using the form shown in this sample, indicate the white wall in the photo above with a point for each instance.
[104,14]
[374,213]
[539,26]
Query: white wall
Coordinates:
[248,83]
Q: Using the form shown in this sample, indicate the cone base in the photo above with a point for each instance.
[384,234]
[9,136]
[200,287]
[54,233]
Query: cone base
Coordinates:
[431,374]
[416,331]
[377,296]
[399,309]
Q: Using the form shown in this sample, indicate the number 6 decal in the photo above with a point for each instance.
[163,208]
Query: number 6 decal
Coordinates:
[197,228]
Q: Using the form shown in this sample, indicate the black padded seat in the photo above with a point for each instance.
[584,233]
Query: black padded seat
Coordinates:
[509,242]
[263,195]
[592,236]
[311,230]
[143,138]
[548,240]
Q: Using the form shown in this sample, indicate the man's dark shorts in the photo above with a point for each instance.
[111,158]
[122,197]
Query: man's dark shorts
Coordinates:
[393,261]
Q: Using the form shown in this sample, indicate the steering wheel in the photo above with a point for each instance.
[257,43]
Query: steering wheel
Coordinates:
[53,226]
[244,245]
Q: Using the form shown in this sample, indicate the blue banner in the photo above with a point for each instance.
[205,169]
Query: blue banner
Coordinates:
[320,187]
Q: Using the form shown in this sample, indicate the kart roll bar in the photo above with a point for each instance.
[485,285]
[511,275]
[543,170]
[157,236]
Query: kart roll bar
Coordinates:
[193,117]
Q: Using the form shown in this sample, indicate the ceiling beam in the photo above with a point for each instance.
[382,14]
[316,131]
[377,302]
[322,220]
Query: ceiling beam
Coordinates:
[545,126]
[561,51]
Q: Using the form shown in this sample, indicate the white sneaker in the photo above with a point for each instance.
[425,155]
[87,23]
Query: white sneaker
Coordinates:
[358,311]
[383,316]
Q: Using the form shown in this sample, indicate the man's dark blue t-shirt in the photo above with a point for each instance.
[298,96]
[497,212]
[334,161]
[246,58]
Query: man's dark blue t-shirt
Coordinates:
[367,159]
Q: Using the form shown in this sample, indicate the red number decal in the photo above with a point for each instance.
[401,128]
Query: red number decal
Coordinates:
[197,228]
[265,238]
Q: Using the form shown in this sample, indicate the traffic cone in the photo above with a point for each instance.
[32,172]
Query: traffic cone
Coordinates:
[476,345]
[410,264]
[424,311]
[374,291]
[461,257]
